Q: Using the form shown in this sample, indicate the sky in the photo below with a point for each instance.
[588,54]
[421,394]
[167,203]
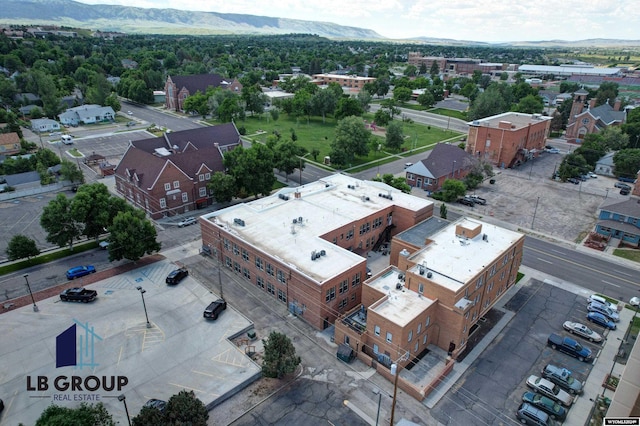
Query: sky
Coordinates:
[473,20]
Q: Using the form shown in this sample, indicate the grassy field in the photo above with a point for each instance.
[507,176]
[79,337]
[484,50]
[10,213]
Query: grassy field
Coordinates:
[314,134]
[628,254]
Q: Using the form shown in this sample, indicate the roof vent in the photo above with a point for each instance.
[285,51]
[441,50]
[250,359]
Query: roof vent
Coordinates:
[429,274]
[421,270]
[238,221]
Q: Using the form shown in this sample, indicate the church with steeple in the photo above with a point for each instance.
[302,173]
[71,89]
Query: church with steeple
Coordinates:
[586,118]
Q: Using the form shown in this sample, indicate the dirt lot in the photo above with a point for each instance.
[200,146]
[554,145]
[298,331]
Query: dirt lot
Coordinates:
[528,199]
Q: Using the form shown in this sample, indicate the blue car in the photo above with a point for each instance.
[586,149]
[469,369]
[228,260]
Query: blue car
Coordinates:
[80,271]
[601,320]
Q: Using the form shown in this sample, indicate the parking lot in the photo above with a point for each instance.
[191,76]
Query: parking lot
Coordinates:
[491,390]
[180,350]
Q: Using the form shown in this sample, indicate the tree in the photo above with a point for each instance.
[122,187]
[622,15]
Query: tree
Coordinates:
[390,106]
[351,140]
[426,99]
[491,102]
[443,210]
[627,162]
[85,414]
[252,169]
[572,165]
[347,107]
[323,103]
[69,171]
[198,102]
[530,104]
[435,69]
[279,356]
[185,409]
[90,206]
[395,182]
[364,99]
[402,94]
[223,187]
[452,189]
[395,137]
[58,220]
[382,117]
[132,236]
[614,139]
[287,156]
[592,148]
[20,247]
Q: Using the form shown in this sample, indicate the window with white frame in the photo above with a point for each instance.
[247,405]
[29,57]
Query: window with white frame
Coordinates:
[207,176]
[176,184]
[376,330]
[415,348]
[375,348]
[419,328]
[389,337]
[185,197]
[427,322]
[424,339]
[410,335]
[167,187]
[281,278]
[163,203]
[420,288]
[201,177]
[202,192]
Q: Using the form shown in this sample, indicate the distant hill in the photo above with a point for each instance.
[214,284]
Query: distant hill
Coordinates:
[164,21]
[69,13]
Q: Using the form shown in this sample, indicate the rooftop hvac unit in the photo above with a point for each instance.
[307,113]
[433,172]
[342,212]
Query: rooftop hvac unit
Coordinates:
[238,221]
[421,270]
[300,220]
[313,255]
[323,253]
[295,220]
[401,277]
[485,237]
[429,274]
[398,286]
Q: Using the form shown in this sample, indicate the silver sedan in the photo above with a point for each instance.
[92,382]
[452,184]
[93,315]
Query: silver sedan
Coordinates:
[582,331]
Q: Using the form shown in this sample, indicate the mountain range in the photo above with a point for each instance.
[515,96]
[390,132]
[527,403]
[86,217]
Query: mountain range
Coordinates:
[69,13]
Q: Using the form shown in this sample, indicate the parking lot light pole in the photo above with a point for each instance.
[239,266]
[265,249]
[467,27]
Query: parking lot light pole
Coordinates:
[123,399]
[379,400]
[35,307]
[142,292]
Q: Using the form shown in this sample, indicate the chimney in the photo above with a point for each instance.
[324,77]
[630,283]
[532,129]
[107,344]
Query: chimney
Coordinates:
[616,105]
[297,194]
[592,103]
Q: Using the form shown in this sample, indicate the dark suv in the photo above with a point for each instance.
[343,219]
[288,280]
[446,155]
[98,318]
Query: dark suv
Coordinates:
[177,275]
[214,309]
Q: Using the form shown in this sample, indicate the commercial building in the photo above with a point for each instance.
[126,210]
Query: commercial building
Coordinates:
[455,66]
[307,246]
[349,83]
[508,139]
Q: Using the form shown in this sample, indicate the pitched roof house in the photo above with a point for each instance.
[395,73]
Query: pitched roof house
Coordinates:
[9,143]
[87,114]
[168,175]
[620,220]
[444,162]
[592,119]
[180,87]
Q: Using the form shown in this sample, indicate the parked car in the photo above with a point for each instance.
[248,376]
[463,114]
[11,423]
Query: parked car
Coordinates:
[625,191]
[177,275]
[530,415]
[635,301]
[563,378]
[569,346]
[478,200]
[103,245]
[407,165]
[214,309]
[186,222]
[630,179]
[66,139]
[78,294]
[552,150]
[599,299]
[546,388]
[601,320]
[80,271]
[129,112]
[604,310]
[573,181]
[592,175]
[582,330]
[546,404]
[467,201]
[156,404]
[622,185]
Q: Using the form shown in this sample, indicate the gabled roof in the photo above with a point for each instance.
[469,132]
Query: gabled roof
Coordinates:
[198,82]
[607,159]
[607,114]
[9,138]
[440,161]
[629,207]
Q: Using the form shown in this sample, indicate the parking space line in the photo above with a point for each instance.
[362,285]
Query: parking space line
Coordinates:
[230,357]
[193,389]
[225,377]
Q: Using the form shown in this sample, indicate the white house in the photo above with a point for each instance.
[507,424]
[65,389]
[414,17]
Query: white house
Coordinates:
[42,125]
[87,114]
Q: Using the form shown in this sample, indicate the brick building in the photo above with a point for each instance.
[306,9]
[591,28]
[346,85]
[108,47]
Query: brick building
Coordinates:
[508,139]
[179,87]
[586,118]
[446,277]
[444,162]
[455,66]
[349,83]
[307,246]
[168,175]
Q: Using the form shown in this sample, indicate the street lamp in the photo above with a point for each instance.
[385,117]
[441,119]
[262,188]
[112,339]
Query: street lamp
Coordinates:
[377,391]
[453,169]
[142,292]
[123,399]
[35,307]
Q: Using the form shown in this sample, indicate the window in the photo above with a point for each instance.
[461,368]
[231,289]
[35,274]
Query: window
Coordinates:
[282,296]
[236,267]
[260,282]
[416,347]
[375,349]
[202,192]
[201,178]
[356,280]
[410,335]
[185,197]
[236,249]
[420,288]
[419,328]
[330,294]
[376,330]
[343,303]
[270,269]
[492,272]
[426,323]
[163,203]
[167,187]
[246,273]
[259,264]
[480,281]
[281,277]
[271,289]
[176,184]
[349,234]
[245,255]
[225,243]
[344,287]
[424,339]
[353,297]
[389,337]
[227,261]
[207,176]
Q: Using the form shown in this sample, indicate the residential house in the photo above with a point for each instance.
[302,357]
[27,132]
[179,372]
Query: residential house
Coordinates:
[443,162]
[620,221]
[9,143]
[87,114]
[605,165]
[586,118]
[307,246]
[179,87]
[445,277]
[508,139]
[44,125]
[168,175]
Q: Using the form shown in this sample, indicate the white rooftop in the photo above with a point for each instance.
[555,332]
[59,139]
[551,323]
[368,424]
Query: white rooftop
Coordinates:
[272,224]
[453,260]
[401,305]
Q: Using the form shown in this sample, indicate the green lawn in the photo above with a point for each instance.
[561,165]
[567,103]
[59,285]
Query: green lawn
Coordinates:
[628,254]
[314,134]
